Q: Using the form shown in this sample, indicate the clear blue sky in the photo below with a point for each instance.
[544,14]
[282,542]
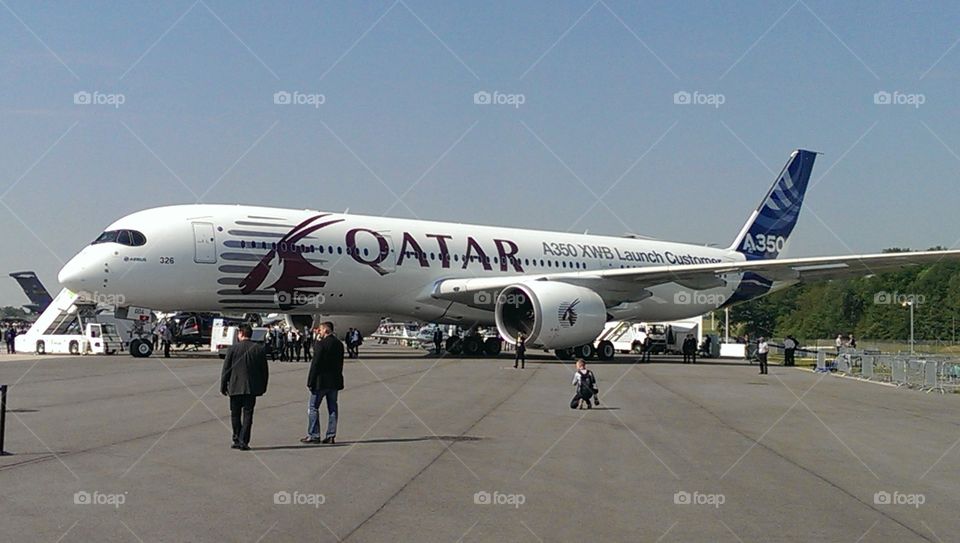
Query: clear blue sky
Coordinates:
[198,118]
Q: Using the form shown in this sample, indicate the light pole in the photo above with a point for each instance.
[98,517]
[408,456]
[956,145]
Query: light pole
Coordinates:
[726,325]
[909,303]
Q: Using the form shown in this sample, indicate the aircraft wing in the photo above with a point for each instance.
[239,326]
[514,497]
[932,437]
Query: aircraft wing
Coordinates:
[624,285]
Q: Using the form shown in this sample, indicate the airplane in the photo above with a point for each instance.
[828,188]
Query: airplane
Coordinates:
[39,297]
[556,288]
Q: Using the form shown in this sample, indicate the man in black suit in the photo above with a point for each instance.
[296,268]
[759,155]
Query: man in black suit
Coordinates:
[521,355]
[437,339]
[324,381]
[307,343]
[243,378]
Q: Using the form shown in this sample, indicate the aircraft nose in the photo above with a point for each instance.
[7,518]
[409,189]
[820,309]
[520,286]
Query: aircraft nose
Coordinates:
[73,274]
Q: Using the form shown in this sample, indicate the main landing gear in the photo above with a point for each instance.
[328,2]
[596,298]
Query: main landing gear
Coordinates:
[474,345]
[604,351]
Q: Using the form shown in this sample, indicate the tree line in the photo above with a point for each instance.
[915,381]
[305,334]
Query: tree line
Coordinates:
[873,307]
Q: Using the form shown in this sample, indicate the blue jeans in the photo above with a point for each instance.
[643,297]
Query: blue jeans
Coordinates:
[313,412]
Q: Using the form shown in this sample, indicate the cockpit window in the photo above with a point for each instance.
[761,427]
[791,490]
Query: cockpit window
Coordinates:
[130,238]
[107,237]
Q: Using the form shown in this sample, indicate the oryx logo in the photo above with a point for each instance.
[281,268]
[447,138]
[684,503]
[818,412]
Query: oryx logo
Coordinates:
[567,313]
[284,268]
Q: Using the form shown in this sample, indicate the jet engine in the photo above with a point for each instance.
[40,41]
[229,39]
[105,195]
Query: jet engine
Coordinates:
[552,315]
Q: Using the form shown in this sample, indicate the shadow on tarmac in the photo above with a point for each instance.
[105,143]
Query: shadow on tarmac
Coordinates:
[369,441]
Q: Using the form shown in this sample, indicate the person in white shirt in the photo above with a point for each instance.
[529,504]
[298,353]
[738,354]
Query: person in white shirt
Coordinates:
[789,348]
[762,350]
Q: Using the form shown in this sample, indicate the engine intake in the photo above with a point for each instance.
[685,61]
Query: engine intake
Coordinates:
[552,315]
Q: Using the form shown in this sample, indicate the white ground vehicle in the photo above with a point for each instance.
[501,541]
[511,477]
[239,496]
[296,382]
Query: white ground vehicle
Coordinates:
[96,338]
[666,337]
[223,336]
[69,326]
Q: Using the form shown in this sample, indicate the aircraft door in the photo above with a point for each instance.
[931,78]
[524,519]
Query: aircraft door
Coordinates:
[389,263]
[204,243]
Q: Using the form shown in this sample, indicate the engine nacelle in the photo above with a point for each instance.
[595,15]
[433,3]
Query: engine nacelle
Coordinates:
[551,315]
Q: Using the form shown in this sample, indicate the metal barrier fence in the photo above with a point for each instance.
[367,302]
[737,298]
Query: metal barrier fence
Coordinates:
[918,371]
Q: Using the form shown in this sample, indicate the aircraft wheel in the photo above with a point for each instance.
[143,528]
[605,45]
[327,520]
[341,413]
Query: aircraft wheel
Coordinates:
[492,346]
[472,346]
[563,354]
[605,350]
[454,345]
[140,348]
[74,347]
[584,351]
[41,347]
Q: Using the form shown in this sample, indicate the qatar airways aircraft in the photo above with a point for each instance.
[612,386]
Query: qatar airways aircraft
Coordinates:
[557,288]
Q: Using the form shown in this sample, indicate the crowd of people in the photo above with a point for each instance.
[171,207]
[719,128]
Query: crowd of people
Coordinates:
[289,344]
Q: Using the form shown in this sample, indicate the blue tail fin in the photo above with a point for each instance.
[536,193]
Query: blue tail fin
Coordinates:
[768,229]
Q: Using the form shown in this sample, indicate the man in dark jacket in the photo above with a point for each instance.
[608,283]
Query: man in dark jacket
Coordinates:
[521,355]
[646,346]
[689,349]
[324,381]
[243,378]
[437,340]
[307,343]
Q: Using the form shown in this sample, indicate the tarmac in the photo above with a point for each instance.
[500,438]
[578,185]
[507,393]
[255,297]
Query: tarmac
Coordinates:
[447,449]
